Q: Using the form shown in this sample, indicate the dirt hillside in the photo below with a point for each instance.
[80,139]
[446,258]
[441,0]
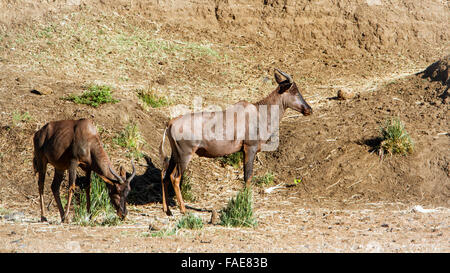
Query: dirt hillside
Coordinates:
[391,55]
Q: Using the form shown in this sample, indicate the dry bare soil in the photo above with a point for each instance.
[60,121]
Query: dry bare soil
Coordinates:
[349,199]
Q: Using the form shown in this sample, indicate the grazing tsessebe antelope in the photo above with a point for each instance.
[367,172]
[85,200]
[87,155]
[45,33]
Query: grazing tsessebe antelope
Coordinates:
[202,133]
[67,144]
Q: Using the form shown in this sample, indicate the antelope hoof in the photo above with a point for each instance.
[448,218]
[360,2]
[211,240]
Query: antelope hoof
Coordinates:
[43,219]
[168,212]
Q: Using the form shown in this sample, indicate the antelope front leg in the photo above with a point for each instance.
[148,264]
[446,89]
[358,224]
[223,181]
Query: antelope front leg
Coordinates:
[72,177]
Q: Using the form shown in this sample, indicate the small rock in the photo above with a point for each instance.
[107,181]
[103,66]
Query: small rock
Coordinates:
[214,217]
[42,90]
[161,80]
[154,227]
[344,94]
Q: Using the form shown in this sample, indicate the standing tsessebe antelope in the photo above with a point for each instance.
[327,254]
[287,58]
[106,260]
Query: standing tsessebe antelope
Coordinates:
[186,139]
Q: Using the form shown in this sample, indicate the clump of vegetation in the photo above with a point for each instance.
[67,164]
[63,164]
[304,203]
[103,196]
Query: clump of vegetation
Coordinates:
[190,221]
[234,159]
[102,212]
[95,96]
[239,211]
[131,139]
[4,211]
[394,138]
[162,233]
[151,99]
[186,189]
[264,180]
[19,117]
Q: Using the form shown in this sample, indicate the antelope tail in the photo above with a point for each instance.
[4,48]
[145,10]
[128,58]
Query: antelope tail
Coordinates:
[162,155]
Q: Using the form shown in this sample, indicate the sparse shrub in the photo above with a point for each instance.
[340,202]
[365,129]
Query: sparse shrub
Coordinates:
[164,232]
[186,189]
[234,159]
[239,211]
[46,32]
[4,211]
[264,180]
[131,139]
[102,212]
[190,221]
[95,96]
[150,98]
[19,117]
[394,138]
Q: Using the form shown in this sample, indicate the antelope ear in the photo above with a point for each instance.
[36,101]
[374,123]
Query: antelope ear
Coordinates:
[278,78]
[106,180]
[284,86]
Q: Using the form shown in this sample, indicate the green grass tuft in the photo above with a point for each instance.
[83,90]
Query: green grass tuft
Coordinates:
[239,211]
[95,96]
[186,189]
[131,139]
[394,138]
[190,221]
[102,212]
[234,159]
[151,99]
[264,180]
[19,117]
[165,232]
[4,211]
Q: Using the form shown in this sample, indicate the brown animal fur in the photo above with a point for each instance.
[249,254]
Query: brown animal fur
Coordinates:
[67,144]
[286,95]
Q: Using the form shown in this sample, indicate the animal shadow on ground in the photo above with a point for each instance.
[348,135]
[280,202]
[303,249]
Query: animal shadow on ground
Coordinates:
[146,188]
[439,71]
[373,143]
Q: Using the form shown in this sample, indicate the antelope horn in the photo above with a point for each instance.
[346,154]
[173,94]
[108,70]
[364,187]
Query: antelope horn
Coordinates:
[133,173]
[285,75]
[116,175]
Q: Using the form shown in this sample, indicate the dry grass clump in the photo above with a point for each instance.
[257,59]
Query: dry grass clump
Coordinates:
[394,138]
[150,98]
[234,159]
[190,221]
[131,139]
[102,212]
[264,180]
[186,189]
[239,211]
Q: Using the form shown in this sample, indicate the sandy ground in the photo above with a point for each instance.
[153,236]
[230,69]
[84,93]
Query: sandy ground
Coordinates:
[350,199]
